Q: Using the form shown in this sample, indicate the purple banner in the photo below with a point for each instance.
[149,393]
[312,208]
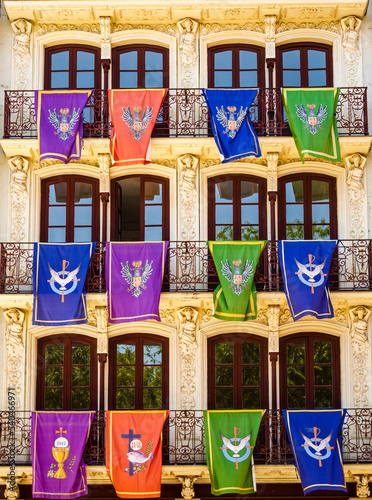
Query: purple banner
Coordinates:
[58,440]
[134,275]
[59,118]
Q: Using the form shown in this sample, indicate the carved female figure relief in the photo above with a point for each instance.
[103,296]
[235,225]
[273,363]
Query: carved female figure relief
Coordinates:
[22,32]
[14,319]
[359,317]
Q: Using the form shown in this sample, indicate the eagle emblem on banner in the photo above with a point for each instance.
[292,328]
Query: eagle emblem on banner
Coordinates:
[314,118]
[237,278]
[137,124]
[135,278]
[65,122]
[228,120]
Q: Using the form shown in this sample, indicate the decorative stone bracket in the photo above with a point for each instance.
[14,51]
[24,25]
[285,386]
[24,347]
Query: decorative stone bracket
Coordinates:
[187,482]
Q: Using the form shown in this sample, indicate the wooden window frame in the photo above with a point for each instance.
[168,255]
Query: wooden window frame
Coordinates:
[73,49]
[309,339]
[67,340]
[262,205]
[307,178]
[141,49]
[237,339]
[71,180]
[139,339]
[304,47]
[143,178]
[260,51]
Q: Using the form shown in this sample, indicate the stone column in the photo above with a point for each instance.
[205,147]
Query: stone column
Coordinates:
[273,319]
[357,196]
[351,43]
[188,53]
[22,55]
[19,199]
[361,354]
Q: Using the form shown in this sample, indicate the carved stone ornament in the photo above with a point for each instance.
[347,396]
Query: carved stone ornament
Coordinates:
[167,315]
[187,324]
[332,26]
[351,43]
[273,317]
[340,315]
[206,29]
[362,488]
[188,196]
[18,198]
[207,314]
[270,23]
[169,29]
[44,28]
[104,160]
[284,316]
[105,24]
[262,316]
[357,195]
[187,330]
[22,44]
[272,170]
[188,51]
[98,317]
[359,323]
[360,347]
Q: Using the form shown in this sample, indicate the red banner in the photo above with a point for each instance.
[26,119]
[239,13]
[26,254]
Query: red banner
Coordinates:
[133,113]
[134,452]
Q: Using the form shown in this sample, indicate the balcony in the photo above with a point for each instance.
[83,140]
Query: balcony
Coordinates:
[185,114]
[183,438]
[190,268]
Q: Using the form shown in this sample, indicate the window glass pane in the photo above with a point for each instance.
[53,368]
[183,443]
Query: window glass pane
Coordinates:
[153,192]
[224,233]
[153,233]
[248,78]
[153,79]
[224,353]
[321,232]
[249,214]
[83,216]
[319,191]
[224,375]
[85,80]
[251,398]
[224,214]
[80,376]
[57,216]
[322,352]
[126,354]
[316,59]
[296,397]
[320,213]
[294,192]
[296,352]
[153,215]
[57,235]
[223,79]
[85,60]
[291,59]
[80,399]
[323,397]
[247,59]
[224,191]
[54,354]
[83,193]
[128,60]
[82,234]
[125,399]
[59,80]
[250,353]
[249,233]
[294,232]
[318,78]
[291,78]
[152,376]
[153,60]
[323,374]
[58,193]
[152,398]
[152,354]
[53,399]
[296,375]
[53,376]
[80,354]
[224,398]
[294,214]
[223,60]
[60,60]
[249,192]
[128,80]
[251,375]
[125,376]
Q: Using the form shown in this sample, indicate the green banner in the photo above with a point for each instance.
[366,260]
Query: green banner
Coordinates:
[312,119]
[235,298]
[230,437]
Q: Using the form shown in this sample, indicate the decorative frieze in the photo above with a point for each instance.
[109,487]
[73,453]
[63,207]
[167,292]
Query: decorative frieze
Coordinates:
[188,52]
[206,29]
[18,198]
[188,197]
[332,26]
[351,43]
[361,354]
[43,29]
[168,29]
[357,195]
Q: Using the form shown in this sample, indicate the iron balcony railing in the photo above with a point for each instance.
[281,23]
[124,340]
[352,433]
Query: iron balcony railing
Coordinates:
[183,438]
[190,268]
[185,114]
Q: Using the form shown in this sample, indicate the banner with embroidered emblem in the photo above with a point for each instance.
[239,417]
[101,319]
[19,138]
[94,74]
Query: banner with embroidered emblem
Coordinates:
[231,123]
[59,272]
[134,113]
[235,298]
[305,268]
[134,276]
[230,438]
[134,452]
[59,120]
[315,438]
[58,439]
[312,119]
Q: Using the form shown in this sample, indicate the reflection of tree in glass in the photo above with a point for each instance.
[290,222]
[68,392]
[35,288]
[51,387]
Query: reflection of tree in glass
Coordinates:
[80,399]
[295,231]
[80,354]
[54,354]
[53,376]
[53,399]
[249,233]
[226,234]
[152,354]
[126,354]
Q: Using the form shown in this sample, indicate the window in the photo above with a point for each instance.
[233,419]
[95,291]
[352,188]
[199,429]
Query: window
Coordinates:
[307,207]
[138,373]
[304,65]
[237,208]
[140,66]
[310,371]
[237,372]
[72,67]
[236,66]
[67,375]
[140,209]
[69,210]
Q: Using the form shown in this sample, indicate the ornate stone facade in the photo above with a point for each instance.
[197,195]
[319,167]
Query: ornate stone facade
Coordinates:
[22,31]
[18,198]
[104,160]
[187,329]
[273,317]
[188,197]
[15,346]
[188,52]
[351,43]
[272,170]
[357,195]
[105,24]
[361,354]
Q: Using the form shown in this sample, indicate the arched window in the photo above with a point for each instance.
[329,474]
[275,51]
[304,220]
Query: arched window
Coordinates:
[237,372]
[140,66]
[304,65]
[236,65]
[140,209]
[69,209]
[236,208]
[72,67]
[139,372]
[307,207]
[67,373]
[309,371]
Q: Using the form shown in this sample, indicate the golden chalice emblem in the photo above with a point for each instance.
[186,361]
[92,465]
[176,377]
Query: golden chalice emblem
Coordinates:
[61,451]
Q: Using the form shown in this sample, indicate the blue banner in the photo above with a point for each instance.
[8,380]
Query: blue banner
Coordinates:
[305,267]
[315,438]
[231,124]
[59,272]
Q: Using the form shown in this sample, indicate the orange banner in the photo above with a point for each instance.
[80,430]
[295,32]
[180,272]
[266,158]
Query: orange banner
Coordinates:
[133,113]
[134,452]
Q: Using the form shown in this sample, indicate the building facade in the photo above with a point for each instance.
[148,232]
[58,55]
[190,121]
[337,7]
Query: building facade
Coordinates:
[189,361]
